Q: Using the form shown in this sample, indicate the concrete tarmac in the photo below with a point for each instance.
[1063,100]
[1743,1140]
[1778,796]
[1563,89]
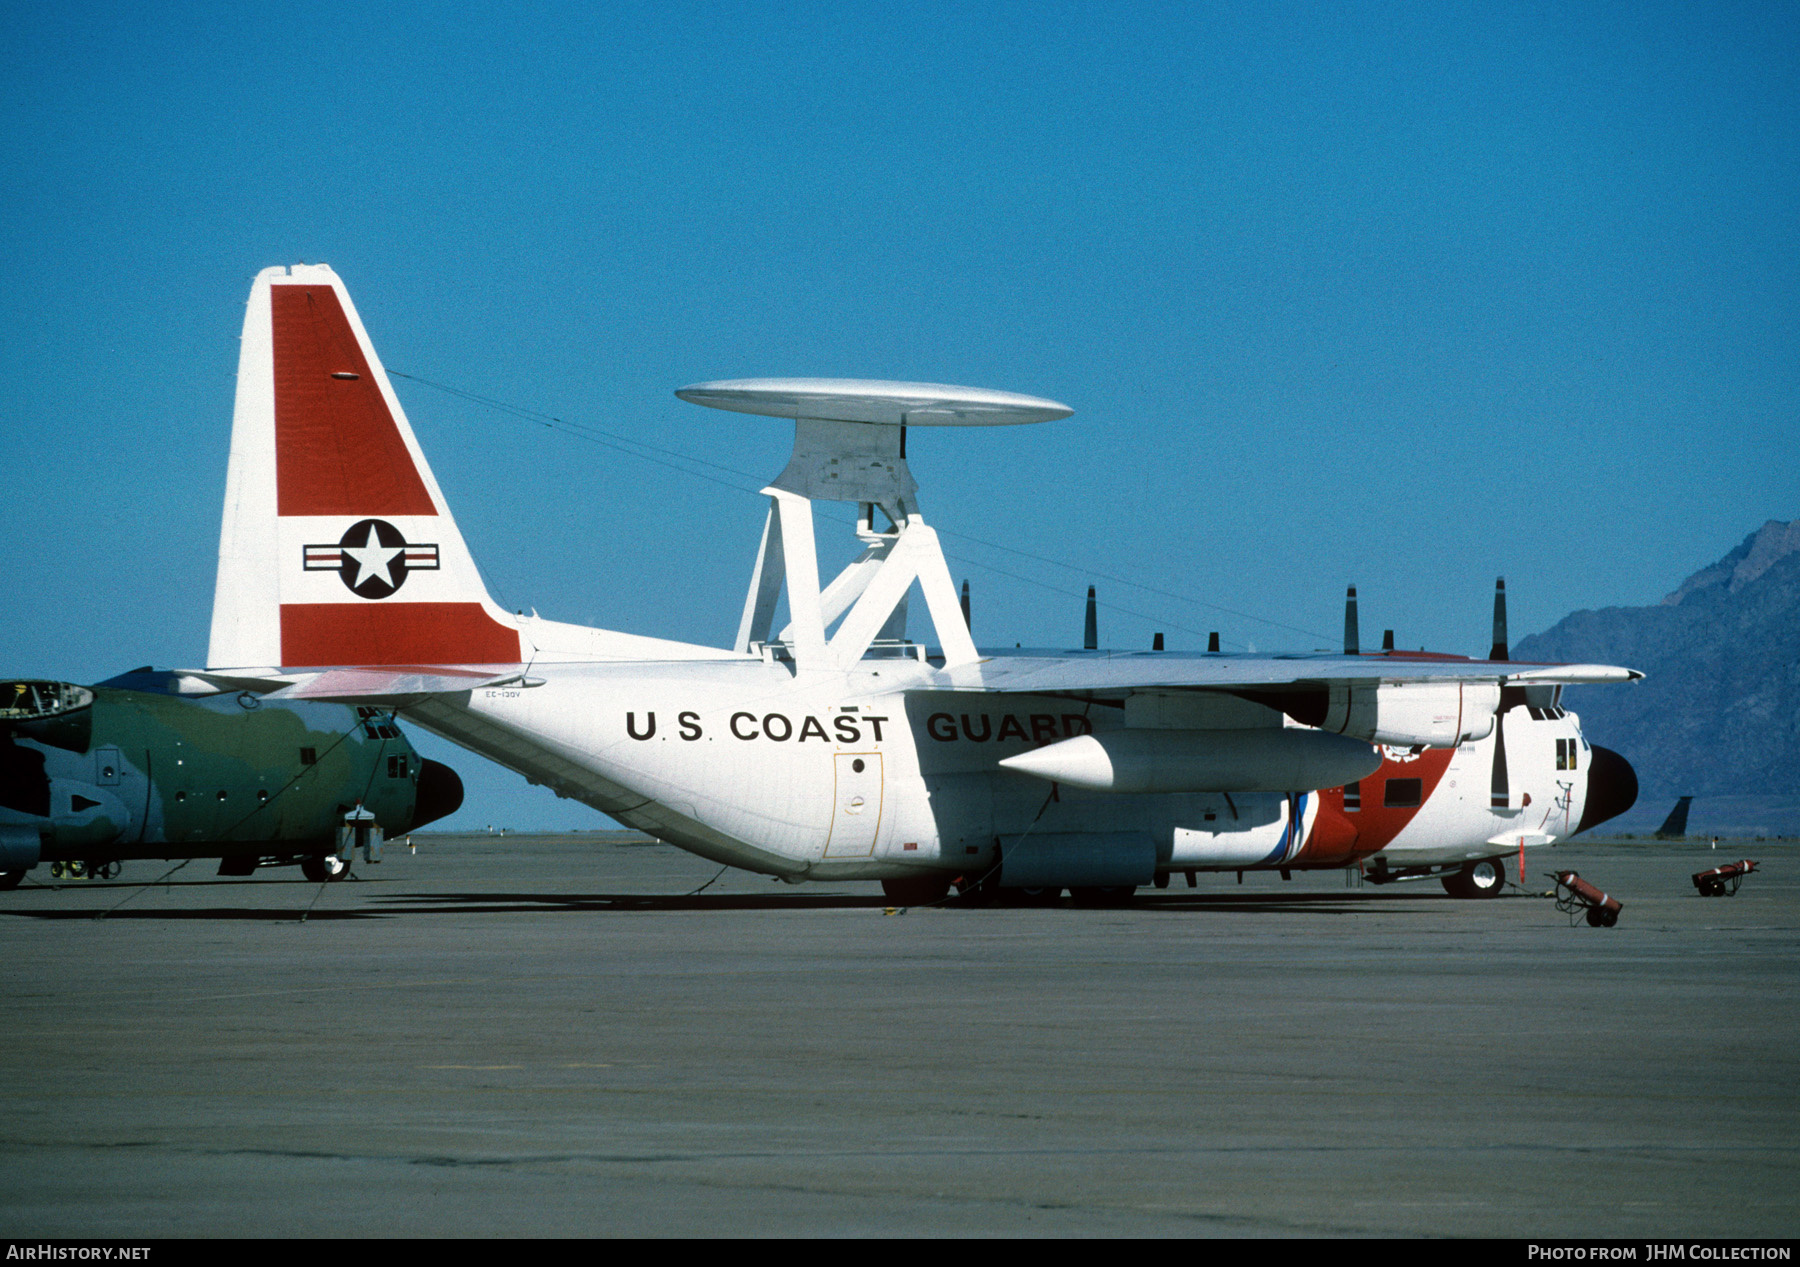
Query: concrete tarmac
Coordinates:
[555,1036]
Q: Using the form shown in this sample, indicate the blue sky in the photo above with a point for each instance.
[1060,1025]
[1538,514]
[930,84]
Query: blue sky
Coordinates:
[1400,296]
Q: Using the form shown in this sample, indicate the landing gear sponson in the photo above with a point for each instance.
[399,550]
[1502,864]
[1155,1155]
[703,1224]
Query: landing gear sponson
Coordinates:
[1485,877]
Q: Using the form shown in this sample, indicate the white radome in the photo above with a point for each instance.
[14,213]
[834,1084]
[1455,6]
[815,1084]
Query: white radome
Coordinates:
[874,400]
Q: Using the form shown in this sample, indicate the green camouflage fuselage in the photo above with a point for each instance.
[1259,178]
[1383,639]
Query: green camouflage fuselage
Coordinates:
[148,774]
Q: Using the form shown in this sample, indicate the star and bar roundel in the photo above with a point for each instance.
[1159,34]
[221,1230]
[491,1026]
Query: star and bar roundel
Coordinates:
[373,558]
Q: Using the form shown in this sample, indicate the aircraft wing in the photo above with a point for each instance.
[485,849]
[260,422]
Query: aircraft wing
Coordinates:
[1149,670]
[1033,673]
[1412,700]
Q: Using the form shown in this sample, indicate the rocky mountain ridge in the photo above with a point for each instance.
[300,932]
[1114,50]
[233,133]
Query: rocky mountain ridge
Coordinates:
[1718,713]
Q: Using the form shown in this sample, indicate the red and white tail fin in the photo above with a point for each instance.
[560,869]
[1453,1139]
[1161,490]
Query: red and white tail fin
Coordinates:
[337,547]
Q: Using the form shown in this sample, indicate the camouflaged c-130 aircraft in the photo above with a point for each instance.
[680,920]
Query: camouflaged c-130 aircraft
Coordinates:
[154,764]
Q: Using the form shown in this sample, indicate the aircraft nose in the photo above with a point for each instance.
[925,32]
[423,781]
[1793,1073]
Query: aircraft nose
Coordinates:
[1611,790]
[440,793]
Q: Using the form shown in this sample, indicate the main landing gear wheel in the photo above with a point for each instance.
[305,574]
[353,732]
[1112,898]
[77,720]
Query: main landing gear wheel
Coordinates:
[979,890]
[1486,878]
[916,890]
[322,868]
[1036,896]
[10,879]
[1104,895]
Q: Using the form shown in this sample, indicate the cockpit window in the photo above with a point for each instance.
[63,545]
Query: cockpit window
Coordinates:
[25,701]
[377,724]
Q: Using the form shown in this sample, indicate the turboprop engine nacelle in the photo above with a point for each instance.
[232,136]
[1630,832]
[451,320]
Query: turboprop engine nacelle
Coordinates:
[1261,760]
[1428,714]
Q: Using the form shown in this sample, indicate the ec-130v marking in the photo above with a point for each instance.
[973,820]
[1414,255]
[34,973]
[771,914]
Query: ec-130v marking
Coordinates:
[835,748]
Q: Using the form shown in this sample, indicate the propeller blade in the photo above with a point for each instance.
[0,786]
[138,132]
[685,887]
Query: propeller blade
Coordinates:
[1501,792]
[1498,651]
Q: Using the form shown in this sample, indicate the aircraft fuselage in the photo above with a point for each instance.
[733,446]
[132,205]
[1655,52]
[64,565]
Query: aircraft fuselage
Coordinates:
[871,774]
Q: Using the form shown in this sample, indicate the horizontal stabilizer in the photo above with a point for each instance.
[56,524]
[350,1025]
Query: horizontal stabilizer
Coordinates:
[404,680]
[368,683]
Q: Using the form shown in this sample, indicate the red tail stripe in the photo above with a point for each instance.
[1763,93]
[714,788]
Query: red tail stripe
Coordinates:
[337,450]
[394,634]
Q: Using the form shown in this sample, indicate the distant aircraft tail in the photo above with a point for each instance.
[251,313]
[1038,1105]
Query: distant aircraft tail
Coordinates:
[337,546]
[1675,825]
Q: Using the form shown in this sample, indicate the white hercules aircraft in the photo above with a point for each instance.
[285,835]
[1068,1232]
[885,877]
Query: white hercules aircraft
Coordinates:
[834,748]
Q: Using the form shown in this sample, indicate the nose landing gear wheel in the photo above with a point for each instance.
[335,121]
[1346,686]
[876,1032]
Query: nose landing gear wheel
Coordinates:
[322,868]
[1486,878]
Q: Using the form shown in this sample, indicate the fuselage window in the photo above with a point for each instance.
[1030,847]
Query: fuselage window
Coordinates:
[1403,792]
[1352,797]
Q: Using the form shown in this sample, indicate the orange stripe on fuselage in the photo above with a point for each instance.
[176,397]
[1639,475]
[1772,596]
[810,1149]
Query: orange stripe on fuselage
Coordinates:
[394,634]
[1376,824]
[337,450]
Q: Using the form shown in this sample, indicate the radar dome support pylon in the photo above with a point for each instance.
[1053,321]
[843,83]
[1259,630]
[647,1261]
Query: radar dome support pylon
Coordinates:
[850,445]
